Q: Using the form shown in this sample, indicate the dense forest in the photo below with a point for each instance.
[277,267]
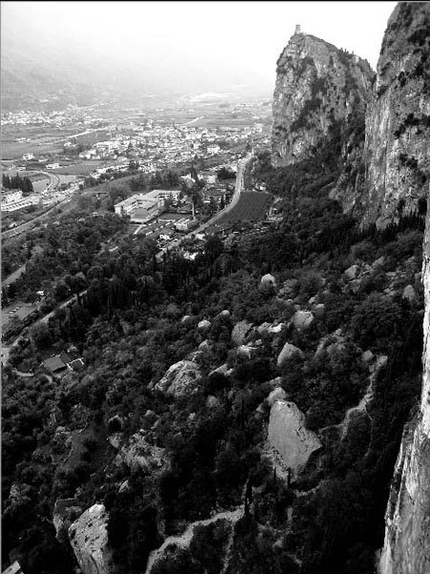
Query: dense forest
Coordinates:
[138,314]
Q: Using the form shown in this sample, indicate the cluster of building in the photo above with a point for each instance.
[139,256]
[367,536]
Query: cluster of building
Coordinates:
[13,200]
[157,146]
[59,118]
[60,364]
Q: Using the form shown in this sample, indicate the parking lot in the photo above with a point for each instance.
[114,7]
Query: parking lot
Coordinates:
[19,310]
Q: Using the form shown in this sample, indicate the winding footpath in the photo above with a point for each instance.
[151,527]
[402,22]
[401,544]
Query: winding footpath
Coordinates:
[184,540]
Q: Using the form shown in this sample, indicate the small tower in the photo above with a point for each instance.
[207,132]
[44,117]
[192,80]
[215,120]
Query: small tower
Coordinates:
[298,29]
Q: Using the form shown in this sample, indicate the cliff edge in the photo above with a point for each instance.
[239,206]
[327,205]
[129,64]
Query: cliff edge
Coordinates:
[398,118]
[320,92]
[407,534]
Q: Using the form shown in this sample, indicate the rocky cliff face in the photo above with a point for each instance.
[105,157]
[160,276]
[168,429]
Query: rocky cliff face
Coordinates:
[407,546]
[398,119]
[320,92]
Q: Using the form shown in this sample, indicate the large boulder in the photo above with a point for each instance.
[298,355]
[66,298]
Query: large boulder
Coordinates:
[180,380]
[409,294]
[352,272]
[89,539]
[204,325]
[225,314]
[289,436]
[240,331]
[289,352]
[245,351]
[302,320]
[268,278]
[267,284]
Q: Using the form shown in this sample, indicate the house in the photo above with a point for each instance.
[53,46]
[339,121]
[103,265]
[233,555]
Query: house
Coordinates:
[54,365]
[208,177]
[60,363]
[185,224]
[14,568]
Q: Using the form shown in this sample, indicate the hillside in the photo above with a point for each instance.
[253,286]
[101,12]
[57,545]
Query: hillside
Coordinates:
[241,412]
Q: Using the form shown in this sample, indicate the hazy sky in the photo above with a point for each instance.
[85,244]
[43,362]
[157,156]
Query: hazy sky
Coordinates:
[214,37]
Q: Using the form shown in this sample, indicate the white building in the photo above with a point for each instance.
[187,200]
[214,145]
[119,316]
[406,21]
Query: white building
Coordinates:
[208,177]
[172,194]
[140,207]
[11,196]
[20,203]
[213,149]
[185,224]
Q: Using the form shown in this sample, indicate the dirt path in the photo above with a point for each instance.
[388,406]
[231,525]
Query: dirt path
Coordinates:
[184,539]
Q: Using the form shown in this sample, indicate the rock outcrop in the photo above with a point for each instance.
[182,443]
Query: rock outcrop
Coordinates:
[303,320]
[240,332]
[180,380]
[88,538]
[407,535]
[398,118]
[289,436]
[289,352]
[319,90]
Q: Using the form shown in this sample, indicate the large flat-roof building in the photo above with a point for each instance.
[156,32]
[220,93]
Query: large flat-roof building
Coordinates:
[143,207]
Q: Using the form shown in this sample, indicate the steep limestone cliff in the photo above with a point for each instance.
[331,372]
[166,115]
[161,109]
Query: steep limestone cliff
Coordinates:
[320,93]
[88,537]
[407,535]
[398,119]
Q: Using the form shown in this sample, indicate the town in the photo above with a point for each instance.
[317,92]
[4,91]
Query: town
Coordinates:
[172,179]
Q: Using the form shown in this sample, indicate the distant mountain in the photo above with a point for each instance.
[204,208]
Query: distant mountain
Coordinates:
[50,73]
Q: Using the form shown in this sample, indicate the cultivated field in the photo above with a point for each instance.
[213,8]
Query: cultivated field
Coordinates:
[83,168]
[252,205]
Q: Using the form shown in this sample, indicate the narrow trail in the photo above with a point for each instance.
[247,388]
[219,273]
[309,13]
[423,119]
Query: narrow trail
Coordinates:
[362,406]
[185,538]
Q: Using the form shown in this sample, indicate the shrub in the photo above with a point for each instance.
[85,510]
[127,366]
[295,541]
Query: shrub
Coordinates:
[377,322]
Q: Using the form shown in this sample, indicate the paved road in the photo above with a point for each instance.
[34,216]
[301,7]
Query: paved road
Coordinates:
[15,275]
[29,224]
[236,194]
[235,198]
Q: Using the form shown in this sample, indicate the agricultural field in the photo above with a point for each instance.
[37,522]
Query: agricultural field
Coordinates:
[81,168]
[252,206]
[38,140]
